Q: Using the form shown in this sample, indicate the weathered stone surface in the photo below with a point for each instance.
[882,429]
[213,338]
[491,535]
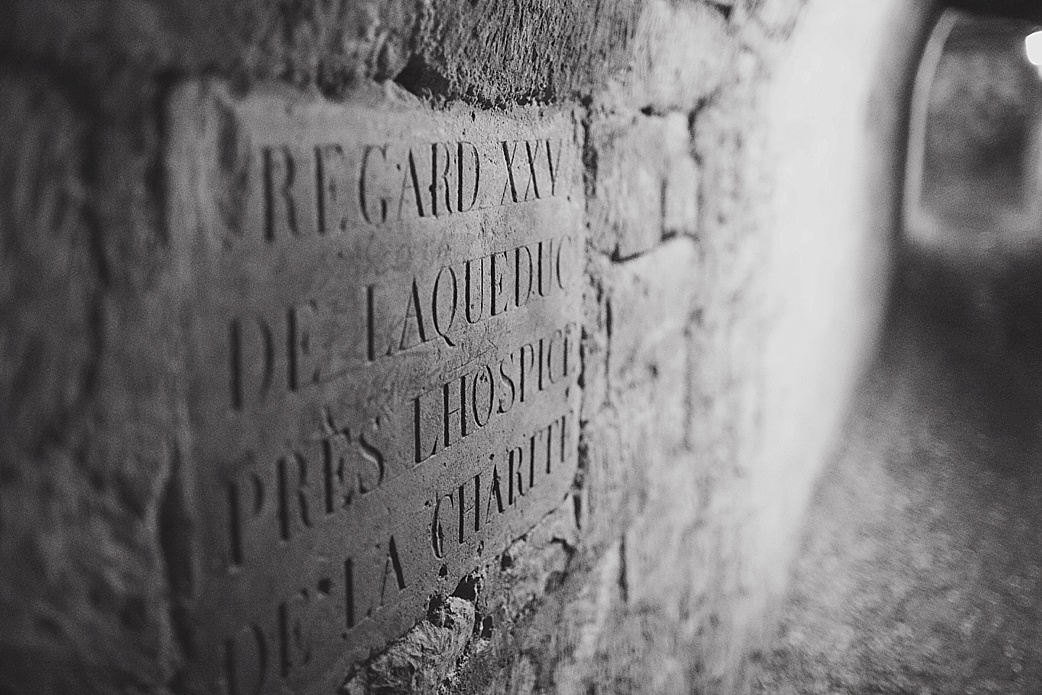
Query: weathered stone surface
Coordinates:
[645,182]
[613,485]
[682,53]
[328,44]
[425,659]
[384,306]
[46,255]
[651,300]
[533,50]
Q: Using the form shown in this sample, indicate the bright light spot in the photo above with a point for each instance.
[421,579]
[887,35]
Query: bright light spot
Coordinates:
[1033,44]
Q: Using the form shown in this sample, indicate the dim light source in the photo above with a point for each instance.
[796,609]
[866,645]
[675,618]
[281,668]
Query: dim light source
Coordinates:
[1033,46]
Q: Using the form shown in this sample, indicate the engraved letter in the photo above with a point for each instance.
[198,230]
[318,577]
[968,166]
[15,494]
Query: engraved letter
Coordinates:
[437,531]
[466,191]
[350,467]
[507,374]
[527,365]
[294,639]
[562,272]
[412,311]
[509,152]
[252,361]
[246,662]
[455,390]
[553,161]
[500,282]
[302,368]
[441,188]
[393,571]
[532,150]
[366,185]
[533,454]
[446,294]
[482,412]
[564,442]
[410,188]
[495,492]
[475,278]
[246,500]
[374,459]
[546,268]
[331,188]
[297,495]
[473,506]
[515,475]
[556,339]
[427,424]
[523,275]
[280,210]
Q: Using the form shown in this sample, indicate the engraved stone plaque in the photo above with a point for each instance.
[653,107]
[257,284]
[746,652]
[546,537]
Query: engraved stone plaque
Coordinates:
[383,304]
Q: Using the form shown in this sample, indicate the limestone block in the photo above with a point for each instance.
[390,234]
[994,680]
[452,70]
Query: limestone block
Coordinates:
[612,485]
[646,182]
[651,300]
[657,396]
[594,348]
[681,55]
[325,44]
[498,50]
[664,551]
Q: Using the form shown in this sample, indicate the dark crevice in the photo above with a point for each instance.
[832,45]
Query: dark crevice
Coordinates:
[468,588]
[725,9]
[422,80]
[624,589]
[589,153]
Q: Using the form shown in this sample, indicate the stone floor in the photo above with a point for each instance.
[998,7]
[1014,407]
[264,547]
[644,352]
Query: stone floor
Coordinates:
[921,569]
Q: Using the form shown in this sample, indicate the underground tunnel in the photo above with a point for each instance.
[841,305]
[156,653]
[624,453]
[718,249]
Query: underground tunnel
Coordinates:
[520,347]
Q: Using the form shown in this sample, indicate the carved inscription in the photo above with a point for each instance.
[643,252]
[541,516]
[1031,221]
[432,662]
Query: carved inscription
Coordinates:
[296,349]
[327,188]
[384,316]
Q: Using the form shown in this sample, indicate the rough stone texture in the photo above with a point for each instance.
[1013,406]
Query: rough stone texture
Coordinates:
[739,223]
[84,461]
[425,658]
[539,50]
[651,300]
[682,53]
[305,43]
[646,182]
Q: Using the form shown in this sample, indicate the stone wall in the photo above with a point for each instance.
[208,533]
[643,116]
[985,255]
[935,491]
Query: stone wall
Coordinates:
[740,162]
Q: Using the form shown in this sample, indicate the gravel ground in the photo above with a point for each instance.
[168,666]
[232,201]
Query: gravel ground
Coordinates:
[921,568]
